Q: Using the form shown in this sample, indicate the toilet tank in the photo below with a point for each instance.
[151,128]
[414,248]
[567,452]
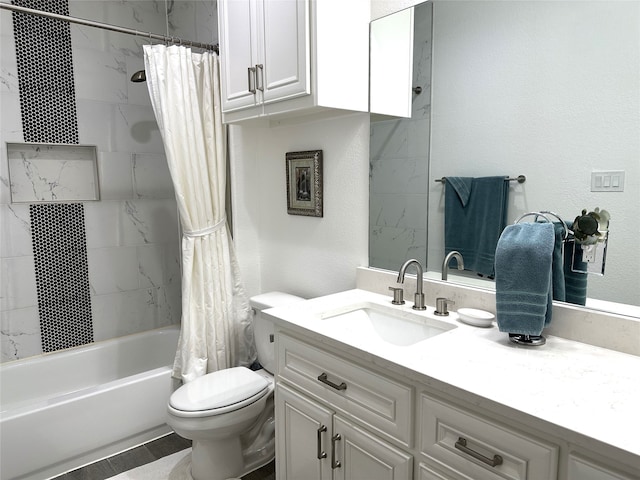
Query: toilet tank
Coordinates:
[263,328]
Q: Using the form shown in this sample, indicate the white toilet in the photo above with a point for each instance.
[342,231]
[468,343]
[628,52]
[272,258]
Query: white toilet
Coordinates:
[229,414]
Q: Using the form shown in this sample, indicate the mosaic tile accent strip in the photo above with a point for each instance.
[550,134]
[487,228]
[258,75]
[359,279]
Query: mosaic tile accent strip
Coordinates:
[45,73]
[62,275]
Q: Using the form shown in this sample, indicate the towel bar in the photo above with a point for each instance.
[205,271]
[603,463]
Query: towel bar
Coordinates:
[519,179]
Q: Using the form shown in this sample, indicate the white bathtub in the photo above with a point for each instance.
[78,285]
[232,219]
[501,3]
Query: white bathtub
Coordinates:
[63,410]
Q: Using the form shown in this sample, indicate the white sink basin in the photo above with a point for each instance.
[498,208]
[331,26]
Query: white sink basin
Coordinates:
[375,323]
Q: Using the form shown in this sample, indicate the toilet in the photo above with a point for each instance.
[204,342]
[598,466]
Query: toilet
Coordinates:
[229,414]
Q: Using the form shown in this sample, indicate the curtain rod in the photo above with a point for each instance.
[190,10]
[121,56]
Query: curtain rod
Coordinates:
[106,26]
[519,179]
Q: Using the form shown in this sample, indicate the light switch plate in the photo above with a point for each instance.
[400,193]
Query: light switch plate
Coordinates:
[609,181]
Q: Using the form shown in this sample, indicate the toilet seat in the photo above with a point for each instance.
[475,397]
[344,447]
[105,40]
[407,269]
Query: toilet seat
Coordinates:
[218,392]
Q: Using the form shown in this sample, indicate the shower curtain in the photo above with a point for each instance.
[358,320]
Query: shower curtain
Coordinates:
[216,325]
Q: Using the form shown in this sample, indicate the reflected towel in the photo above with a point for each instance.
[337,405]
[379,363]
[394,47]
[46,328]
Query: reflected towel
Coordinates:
[558,263]
[523,278]
[575,282]
[475,215]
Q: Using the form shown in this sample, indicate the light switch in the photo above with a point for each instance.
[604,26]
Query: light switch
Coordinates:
[610,181]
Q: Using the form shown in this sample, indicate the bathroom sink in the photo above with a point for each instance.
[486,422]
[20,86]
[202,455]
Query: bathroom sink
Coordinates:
[375,323]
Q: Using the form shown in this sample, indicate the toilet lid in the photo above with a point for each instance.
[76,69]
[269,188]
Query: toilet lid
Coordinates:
[218,390]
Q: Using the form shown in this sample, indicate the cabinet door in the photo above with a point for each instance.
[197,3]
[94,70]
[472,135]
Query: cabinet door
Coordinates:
[302,437]
[363,456]
[583,469]
[285,71]
[238,21]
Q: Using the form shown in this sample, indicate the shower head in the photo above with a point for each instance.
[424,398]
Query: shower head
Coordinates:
[139,76]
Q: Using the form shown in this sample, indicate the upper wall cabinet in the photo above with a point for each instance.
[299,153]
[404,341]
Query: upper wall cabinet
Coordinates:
[283,57]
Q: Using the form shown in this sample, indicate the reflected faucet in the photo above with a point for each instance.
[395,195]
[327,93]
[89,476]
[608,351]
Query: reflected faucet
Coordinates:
[447,259]
[418,303]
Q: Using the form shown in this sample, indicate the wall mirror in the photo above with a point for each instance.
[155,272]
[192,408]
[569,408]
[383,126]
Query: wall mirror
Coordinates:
[548,90]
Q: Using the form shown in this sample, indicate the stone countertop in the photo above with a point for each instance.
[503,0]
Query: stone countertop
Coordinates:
[585,390]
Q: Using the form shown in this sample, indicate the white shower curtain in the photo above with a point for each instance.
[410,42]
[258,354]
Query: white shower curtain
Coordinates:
[185,94]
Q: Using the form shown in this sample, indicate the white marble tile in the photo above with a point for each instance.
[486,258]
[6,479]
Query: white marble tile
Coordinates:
[151,265]
[52,173]
[8,65]
[389,139]
[398,210]
[96,124]
[112,270]
[15,231]
[144,16]
[151,177]
[20,333]
[18,285]
[116,176]
[150,221]
[136,130]
[100,76]
[398,175]
[206,28]
[103,224]
[128,312]
[10,118]
[390,247]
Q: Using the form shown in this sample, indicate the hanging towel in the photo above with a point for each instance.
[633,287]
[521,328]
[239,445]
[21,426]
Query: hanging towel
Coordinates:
[523,278]
[558,263]
[575,282]
[475,215]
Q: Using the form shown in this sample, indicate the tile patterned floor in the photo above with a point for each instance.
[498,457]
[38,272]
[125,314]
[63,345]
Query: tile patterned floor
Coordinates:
[144,454]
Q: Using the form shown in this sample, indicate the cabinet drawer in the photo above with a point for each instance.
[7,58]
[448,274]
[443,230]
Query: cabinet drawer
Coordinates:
[383,404]
[481,449]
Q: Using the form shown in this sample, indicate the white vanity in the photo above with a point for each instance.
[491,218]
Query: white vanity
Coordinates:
[446,400]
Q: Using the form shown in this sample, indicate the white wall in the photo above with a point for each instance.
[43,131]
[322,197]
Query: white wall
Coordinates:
[307,256]
[549,90]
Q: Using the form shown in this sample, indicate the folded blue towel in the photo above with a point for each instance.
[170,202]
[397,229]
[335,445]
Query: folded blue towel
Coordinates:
[575,282]
[523,278]
[475,215]
[558,263]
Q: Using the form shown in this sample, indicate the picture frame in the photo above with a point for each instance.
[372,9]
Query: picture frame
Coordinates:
[304,183]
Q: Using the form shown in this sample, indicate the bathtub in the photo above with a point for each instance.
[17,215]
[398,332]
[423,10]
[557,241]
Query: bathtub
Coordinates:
[62,410]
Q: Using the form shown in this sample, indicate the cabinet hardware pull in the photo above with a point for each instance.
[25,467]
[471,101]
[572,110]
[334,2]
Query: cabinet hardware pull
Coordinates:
[335,463]
[320,453]
[251,71]
[461,444]
[260,86]
[323,378]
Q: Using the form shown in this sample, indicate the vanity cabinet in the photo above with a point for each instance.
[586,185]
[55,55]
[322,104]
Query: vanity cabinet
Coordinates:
[319,444]
[337,420]
[468,446]
[284,57]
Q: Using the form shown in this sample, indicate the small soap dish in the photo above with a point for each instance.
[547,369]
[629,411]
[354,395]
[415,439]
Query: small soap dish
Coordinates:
[475,317]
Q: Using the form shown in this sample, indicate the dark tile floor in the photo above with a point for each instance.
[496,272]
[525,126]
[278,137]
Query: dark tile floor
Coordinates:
[144,454]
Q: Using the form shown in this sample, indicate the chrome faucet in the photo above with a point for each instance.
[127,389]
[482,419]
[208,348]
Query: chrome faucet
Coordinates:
[418,303]
[447,259]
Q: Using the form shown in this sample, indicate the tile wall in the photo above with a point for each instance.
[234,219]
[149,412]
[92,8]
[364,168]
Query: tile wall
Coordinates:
[398,170]
[132,233]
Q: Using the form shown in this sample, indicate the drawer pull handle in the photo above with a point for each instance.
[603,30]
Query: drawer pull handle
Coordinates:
[320,453]
[335,463]
[323,378]
[461,444]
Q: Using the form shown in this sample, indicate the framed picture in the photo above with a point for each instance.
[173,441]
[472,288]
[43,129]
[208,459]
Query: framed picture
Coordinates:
[304,183]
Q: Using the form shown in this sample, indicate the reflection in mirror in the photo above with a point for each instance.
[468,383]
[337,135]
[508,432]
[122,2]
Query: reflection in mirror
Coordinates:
[544,89]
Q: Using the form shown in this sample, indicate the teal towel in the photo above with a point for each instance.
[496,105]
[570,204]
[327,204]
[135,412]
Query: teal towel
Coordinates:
[524,258]
[558,264]
[575,282]
[475,215]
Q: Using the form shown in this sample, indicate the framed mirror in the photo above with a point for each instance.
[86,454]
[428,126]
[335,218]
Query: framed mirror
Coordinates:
[548,90]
